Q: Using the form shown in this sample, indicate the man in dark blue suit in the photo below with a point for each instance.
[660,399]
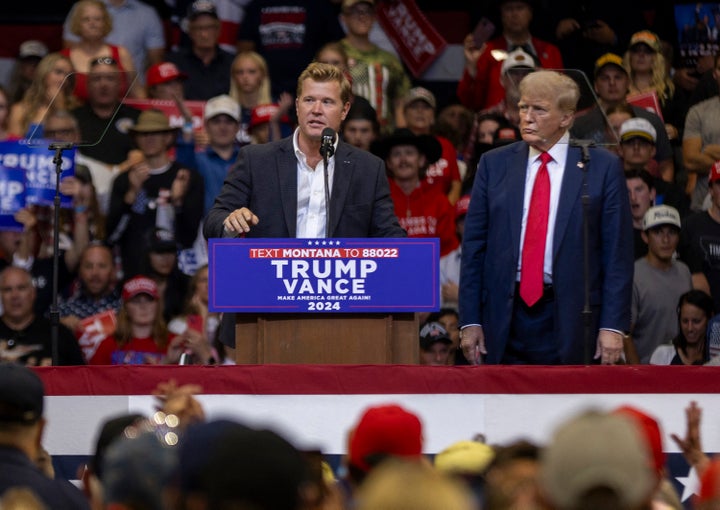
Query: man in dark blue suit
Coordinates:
[277,189]
[533,315]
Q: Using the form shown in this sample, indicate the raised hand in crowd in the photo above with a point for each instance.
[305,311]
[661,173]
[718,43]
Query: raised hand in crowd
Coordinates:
[180,400]
[472,54]
[691,444]
[137,175]
[27,241]
[192,343]
[597,31]
[180,186]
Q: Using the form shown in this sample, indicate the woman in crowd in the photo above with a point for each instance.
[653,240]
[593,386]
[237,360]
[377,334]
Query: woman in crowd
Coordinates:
[141,336]
[91,22]
[250,87]
[480,140]
[43,96]
[161,264]
[198,322]
[689,347]
[646,67]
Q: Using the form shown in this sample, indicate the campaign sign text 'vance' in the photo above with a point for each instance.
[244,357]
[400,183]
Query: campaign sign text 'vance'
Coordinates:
[324,275]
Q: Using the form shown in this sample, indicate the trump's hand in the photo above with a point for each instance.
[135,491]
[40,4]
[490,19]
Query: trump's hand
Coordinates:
[240,221]
[472,343]
[609,347]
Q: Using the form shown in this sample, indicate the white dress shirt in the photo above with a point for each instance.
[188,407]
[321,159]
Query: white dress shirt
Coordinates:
[556,170]
[311,194]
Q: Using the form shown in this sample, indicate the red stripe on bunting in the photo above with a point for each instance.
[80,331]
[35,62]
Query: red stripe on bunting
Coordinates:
[381,379]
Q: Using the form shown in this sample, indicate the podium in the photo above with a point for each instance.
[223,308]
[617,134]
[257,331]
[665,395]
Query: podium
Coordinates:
[327,338]
[324,301]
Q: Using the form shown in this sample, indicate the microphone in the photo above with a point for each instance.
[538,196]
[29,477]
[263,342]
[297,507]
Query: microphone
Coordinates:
[584,146]
[327,147]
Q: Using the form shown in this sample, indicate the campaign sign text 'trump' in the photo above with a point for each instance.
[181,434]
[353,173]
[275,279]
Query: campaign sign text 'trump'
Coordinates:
[324,275]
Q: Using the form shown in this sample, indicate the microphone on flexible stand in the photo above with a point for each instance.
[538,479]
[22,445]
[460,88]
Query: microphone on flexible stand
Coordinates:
[58,147]
[584,165]
[327,145]
[327,149]
[583,145]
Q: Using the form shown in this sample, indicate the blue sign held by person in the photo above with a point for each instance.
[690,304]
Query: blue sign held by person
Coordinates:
[12,197]
[36,161]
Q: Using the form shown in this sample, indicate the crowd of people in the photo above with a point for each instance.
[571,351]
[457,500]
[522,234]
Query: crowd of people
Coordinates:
[554,251]
[177,458]
[147,192]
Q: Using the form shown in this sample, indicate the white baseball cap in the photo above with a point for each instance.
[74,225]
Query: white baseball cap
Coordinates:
[222,105]
[661,215]
[517,58]
[637,127]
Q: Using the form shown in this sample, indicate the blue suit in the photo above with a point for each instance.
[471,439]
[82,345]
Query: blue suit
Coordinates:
[491,247]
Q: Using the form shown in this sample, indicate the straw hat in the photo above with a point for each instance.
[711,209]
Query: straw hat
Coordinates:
[152,121]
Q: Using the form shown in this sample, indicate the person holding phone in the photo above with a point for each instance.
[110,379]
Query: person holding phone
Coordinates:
[480,87]
[199,324]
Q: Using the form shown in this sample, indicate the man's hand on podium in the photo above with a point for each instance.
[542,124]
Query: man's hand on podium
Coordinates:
[240,220]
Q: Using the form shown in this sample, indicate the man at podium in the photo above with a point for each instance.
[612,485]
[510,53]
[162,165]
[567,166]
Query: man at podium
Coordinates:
[278,189]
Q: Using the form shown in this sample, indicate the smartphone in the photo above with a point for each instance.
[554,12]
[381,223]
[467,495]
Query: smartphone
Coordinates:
[482,32]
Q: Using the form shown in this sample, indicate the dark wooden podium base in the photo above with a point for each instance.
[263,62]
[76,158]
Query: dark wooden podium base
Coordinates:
[327,338]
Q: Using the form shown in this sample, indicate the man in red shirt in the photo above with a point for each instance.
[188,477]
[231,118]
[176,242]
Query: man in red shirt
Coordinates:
[419,111]
[480,86]
[422,209]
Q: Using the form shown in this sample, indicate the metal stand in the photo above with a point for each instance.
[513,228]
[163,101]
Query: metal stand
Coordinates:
[54,312]
[587,312]
[327,149]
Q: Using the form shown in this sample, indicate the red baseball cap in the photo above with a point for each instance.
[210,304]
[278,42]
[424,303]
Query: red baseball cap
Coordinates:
[385,430]
[163,73]
[263,113]
[650,430]
[139,285]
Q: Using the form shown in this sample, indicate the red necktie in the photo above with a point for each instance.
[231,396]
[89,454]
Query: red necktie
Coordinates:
[533,254]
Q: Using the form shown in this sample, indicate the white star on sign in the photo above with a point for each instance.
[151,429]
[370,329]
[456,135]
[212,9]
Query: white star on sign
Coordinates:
[690,483]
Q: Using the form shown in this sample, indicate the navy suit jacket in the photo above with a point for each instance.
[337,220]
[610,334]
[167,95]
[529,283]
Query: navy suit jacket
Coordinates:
[265,181]
[491,247]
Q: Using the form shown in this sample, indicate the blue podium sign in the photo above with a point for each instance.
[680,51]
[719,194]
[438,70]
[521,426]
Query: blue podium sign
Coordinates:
[324,275]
